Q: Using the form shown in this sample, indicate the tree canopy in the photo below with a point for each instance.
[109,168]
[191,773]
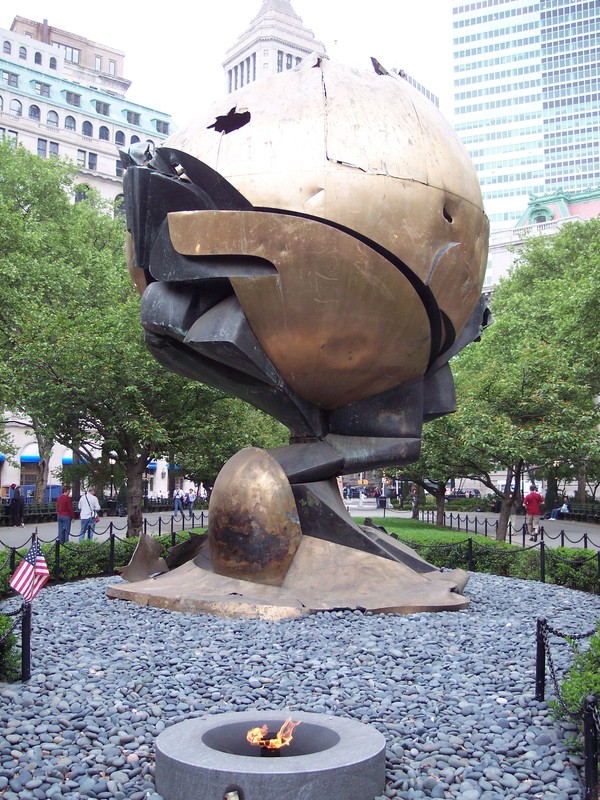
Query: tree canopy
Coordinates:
[74,358]
[526,393]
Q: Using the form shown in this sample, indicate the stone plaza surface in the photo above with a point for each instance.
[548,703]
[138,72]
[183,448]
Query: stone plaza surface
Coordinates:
[451,692]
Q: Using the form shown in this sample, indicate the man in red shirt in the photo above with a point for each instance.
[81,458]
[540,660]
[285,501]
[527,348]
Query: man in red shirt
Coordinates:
[64,514]
[533,503]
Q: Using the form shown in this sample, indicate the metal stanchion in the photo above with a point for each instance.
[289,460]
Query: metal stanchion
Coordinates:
[26,643]
[540,659]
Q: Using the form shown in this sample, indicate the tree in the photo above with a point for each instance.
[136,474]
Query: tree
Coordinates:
[216,428]
[526,392]
[74,358]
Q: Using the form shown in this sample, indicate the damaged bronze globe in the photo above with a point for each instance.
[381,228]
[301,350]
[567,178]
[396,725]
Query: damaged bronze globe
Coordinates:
[314,244]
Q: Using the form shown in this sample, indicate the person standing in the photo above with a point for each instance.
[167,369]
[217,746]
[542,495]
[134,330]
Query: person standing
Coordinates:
[533,506]
[88,510]
[177,502]
[17,507]
[191,497]
[65,514]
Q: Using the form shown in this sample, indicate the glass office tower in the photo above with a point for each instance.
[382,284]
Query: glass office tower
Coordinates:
[526,99]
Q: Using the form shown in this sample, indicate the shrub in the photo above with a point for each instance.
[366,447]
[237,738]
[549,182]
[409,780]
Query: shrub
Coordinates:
[583,679]
[10,659]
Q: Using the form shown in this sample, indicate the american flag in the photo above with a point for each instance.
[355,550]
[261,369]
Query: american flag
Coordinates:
[32,573]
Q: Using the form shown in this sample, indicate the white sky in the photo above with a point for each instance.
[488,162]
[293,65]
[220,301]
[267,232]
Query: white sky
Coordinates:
[174,51]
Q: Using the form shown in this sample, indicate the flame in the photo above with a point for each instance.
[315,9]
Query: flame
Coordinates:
[284,735]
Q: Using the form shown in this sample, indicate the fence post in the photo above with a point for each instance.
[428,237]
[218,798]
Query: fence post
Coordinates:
[562,538]
[173,539]
[26,643]
[598,569]
[540,659]
[509,532]
[13,558]
[470,554]
[111,552]
[467,522]
[145,526]
[543,562]
[475,524]
[585,541]
[159,525]
[485,524]
[57,561]
[590,749]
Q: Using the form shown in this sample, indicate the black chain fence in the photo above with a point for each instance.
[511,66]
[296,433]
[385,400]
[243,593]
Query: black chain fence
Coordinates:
[586,715]
[516,534]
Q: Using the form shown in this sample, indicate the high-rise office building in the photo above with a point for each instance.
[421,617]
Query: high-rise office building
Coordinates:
[526,98]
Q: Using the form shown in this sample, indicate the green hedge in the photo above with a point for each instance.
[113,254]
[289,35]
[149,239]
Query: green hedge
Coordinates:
[87,559]
[10,658]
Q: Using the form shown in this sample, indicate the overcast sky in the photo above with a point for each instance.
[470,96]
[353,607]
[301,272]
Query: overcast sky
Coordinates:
[174,50]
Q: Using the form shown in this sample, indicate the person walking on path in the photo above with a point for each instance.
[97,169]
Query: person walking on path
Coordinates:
[177,503]
[89,508]
[533,506]
[65,514]
[191,498]
[17,507]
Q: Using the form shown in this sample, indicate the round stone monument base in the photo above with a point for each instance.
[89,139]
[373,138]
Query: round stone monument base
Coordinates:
[327,757]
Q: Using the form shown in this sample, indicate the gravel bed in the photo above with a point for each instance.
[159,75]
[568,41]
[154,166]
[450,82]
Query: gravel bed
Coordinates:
[452,692]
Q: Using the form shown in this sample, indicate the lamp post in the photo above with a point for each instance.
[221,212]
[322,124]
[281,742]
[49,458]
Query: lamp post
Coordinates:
[112,463]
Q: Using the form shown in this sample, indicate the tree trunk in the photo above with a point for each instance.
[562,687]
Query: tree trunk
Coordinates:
[440,507]
[135,521]
[581,484]
[509,498]
[43,467]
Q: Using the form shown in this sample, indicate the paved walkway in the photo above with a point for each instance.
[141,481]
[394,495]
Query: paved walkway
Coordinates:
[576,534]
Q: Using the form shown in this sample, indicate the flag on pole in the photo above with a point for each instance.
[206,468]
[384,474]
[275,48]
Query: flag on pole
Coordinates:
[32,573]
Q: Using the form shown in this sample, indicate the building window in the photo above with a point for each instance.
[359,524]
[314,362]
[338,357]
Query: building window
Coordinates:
[70,124]
[98,63]
[104,133]
[37,58]
[16,108]
[103,108]
[162,126]
[280,61]
[81,191]
[81,158]
[52,62]
[72,54]
[53,149]
[289,63]
[119,138]
[23,53]
[119,205]
[42,148]
[118,168]
[10,78]
[43,89]
[6,48]
[73,99]
[87,129]
[34,113]
[133,118]
[112,67]
[134,139]
[92,161]
[52,119]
